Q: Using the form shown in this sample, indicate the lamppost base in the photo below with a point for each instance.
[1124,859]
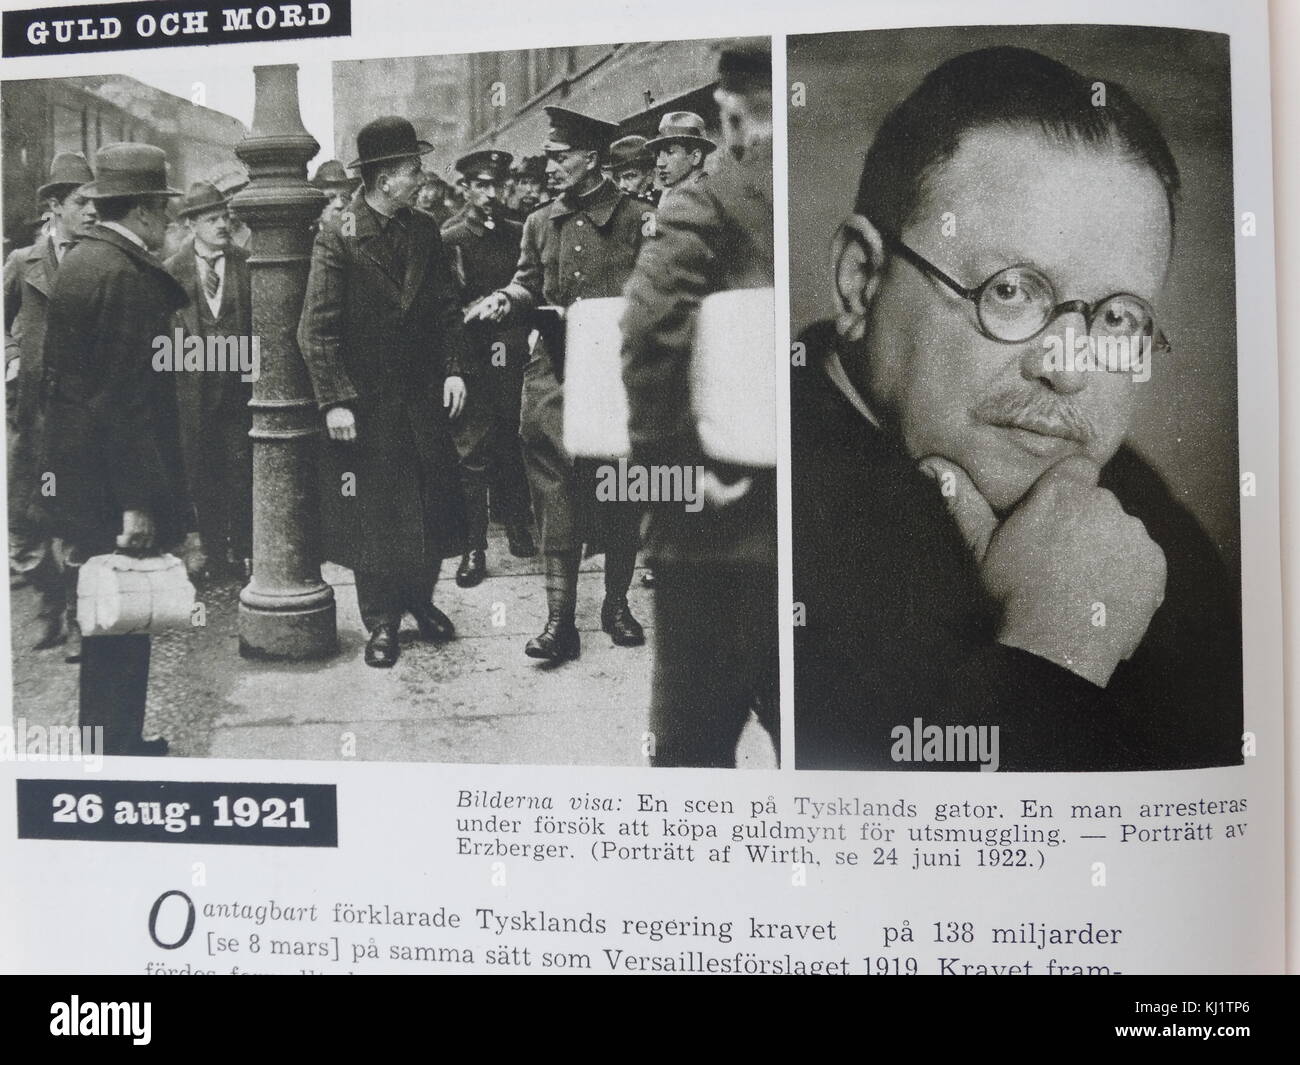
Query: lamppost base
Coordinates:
[298,633]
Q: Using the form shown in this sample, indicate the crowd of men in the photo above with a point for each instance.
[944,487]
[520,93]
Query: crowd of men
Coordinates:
[433,334]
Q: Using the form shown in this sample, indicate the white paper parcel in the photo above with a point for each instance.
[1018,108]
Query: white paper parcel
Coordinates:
[733,378]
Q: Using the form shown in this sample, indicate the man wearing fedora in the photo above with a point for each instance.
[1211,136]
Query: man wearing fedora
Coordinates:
[384,344]
[632,166]
[332,179]
[680,151]
[484,246]
[580,246]
[213,404]
[29,277]
[111,439]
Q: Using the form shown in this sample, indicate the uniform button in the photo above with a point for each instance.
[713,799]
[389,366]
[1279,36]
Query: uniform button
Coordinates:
[579,221]
[577,273]
[577,247]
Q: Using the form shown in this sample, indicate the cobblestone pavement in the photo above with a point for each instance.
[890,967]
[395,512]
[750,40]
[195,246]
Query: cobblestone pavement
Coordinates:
[476,699]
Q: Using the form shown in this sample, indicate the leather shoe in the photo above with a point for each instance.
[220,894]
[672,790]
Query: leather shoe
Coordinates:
[520,540]
[52,634]
[558,642]
[381,648]
[472,569]
[434,625]
[617,620]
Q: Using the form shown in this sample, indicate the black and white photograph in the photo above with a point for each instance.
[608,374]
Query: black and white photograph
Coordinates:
[388,409]
[1015,483]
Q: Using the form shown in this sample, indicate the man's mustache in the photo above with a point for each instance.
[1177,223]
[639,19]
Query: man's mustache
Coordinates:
[1039,414]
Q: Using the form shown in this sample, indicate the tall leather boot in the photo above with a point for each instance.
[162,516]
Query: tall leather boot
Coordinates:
[559,641]
[615,615]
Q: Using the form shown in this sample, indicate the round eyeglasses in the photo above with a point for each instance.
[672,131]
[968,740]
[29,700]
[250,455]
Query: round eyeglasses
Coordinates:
[1017,303]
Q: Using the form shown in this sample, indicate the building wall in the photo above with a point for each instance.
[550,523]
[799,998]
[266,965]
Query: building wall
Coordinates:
[496,99]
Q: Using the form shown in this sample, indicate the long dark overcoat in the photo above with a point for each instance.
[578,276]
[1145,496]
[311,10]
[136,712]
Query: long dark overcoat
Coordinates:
[110,434]
[381,339]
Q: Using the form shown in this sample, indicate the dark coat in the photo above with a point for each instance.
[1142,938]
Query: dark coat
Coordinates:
[29,275]
[110,424]
[484,260]
[898,624]
[381,340]
[213,406]
[709,236]
[568,253]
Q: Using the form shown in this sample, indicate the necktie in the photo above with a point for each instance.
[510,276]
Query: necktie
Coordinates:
[211,279]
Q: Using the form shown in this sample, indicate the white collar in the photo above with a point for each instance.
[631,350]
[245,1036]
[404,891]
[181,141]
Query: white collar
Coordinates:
[118,228]
[835,371]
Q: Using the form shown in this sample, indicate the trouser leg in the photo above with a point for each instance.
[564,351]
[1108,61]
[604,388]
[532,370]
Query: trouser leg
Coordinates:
[715,660]
[381,599]
[114,689]
[562,584]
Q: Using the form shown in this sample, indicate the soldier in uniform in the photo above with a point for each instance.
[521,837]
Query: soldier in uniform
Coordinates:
[382,338]
[29,276]
[633,167]
[716,569]
[581,245]
[484,247]
[680,151]
[214,417]
[111,440]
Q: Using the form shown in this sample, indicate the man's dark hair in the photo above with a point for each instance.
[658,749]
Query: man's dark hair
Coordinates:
[371,172]
[999,87]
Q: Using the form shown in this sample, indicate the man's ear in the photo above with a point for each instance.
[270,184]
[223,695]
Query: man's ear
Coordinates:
[858,260]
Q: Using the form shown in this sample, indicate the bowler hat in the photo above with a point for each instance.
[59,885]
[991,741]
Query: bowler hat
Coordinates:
[126,169]
[569,129]
[630,151]
[389,137]
[489,163]
[202,196]
[331,175]
[681,127]
[68,171]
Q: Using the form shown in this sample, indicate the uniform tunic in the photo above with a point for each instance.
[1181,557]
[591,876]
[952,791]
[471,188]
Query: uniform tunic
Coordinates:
[571,251]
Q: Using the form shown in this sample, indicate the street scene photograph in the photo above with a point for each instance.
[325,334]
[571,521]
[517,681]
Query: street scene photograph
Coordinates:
[407,409]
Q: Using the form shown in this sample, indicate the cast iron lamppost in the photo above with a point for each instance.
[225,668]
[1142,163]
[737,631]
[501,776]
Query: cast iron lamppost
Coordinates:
[287,610]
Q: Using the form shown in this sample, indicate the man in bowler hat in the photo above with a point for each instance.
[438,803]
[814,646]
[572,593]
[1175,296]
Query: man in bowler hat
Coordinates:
[28,280]
[484,246]
[111,440]
[383,341]
[582,245]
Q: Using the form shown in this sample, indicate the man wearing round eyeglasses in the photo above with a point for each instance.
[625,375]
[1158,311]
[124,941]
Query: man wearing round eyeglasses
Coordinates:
[1011,562]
